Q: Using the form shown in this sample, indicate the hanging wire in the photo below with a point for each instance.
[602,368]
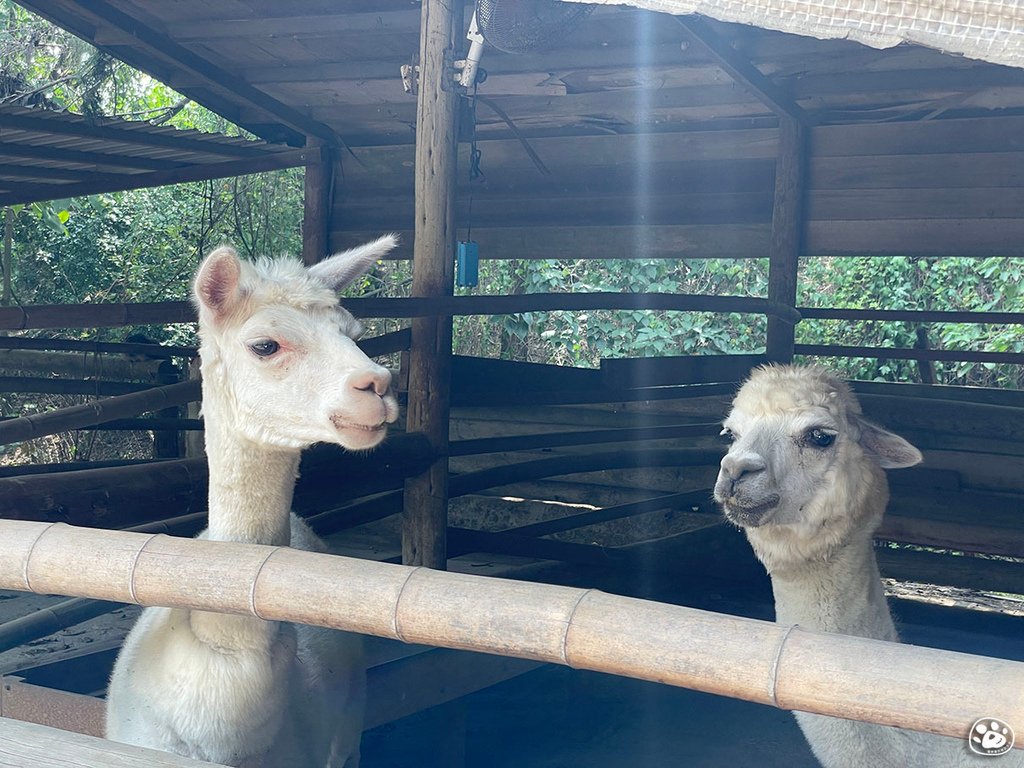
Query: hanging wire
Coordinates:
[475,171]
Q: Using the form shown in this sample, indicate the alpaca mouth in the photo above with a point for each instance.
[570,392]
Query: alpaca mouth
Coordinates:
[369,428]
[751,515]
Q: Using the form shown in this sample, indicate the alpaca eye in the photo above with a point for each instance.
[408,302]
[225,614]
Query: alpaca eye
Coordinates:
[820,438]
[727,435]
[264,348]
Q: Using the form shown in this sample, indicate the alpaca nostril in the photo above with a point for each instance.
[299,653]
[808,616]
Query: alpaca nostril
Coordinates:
[736,467]
[377,381]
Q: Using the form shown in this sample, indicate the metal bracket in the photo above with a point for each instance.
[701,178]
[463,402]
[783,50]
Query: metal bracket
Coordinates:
[410,78]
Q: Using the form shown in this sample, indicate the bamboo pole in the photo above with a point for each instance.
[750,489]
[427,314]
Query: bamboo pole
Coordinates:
[778,665]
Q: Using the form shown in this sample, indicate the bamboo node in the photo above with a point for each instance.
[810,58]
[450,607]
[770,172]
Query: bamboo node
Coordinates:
[568,624]
[255,582]
[135,563]
[395,625]
[773,670]
[28,558]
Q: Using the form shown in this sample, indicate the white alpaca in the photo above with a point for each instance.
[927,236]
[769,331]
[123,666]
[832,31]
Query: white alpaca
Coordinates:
[280,372]
[804,478]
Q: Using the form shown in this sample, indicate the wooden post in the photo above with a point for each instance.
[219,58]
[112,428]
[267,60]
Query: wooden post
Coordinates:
[167,443]
[787,229]
[426,496]
[5,298]
[319,183]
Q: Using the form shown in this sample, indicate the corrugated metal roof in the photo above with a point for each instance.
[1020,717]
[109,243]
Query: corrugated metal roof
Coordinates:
[46,155]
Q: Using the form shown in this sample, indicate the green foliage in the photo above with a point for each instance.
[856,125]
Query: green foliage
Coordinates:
[583,339]
[143,245]
[904,283]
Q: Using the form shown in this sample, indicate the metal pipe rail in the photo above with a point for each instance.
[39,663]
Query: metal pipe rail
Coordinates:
[783,666]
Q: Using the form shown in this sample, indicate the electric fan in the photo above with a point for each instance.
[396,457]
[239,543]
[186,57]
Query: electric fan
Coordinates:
[518,26]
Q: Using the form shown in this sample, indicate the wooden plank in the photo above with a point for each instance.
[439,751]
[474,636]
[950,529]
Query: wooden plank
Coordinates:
[368,211]
[27,745]
[951,570]
[693,369]
[681,241]
[519,178]
[916,237]
[425,514]
[920,80]
[56,709]
[671,104]
[785,247]
[890,204]
[961,136]
[914,171]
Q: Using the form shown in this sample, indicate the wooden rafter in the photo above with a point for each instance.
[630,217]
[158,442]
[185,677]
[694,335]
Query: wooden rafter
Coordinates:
[741,70]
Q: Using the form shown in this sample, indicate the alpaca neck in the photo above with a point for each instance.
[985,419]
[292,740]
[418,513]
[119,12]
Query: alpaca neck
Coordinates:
[841,593]
[251,489]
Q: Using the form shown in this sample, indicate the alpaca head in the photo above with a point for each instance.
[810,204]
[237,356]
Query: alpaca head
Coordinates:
[279,360]
[804,473]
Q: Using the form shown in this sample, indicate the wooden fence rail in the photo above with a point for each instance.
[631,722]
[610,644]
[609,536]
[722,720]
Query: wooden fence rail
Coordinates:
[759,661]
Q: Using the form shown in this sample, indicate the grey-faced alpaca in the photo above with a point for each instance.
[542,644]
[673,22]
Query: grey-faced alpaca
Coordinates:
[804,477]
[280,371]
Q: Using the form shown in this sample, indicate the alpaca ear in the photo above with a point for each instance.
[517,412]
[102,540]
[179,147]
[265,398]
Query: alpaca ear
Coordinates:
[217,282]
[342,268]
[888,449]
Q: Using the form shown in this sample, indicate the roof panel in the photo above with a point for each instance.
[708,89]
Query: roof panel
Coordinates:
[46,155]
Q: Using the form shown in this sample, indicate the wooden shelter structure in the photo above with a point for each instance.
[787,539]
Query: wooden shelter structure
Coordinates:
[640,135]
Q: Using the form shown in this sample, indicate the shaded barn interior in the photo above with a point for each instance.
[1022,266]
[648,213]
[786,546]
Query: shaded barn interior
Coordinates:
[640,135]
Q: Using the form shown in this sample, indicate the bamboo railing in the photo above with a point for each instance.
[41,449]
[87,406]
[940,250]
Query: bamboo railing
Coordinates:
[783,666]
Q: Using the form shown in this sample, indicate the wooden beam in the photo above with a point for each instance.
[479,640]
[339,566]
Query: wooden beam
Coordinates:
[319,184]
[28,745]
[740,68]
[144,350]
[46,706]
[424,522]
[112,315]
[786,237]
